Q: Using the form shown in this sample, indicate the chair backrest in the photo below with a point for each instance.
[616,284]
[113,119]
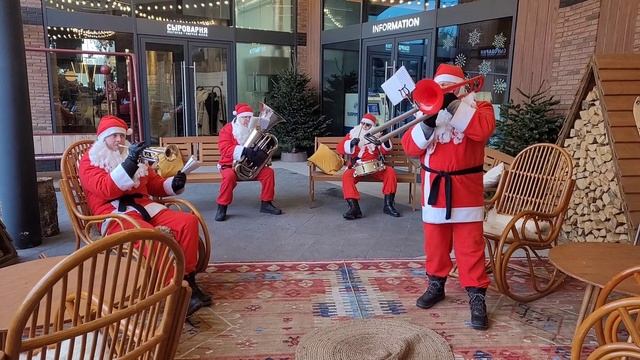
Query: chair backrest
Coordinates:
[396,158]
[539,179]
[102,301]
[625,281]
[621,326]
[75,199]
[205,148]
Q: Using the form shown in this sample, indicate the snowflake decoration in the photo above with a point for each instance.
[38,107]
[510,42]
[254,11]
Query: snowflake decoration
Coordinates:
[499,41]
[499,86]
[447,43]
[474,37]
[461,60]
[485,67]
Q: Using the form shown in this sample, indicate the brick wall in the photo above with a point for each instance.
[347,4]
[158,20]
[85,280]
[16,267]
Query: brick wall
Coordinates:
[31,3]
[575,41]
[636,37]
[302,54]
[38,80]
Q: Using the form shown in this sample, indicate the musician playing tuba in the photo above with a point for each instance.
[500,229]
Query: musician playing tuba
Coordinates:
[451,150]
[231,138]
[365,154]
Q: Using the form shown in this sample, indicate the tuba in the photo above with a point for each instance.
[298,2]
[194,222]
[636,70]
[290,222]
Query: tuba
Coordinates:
[259,139]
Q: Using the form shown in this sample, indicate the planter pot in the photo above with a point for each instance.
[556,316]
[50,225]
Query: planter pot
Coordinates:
[294,157]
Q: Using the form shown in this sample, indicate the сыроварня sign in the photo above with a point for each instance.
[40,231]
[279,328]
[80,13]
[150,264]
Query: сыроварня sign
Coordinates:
[189,30]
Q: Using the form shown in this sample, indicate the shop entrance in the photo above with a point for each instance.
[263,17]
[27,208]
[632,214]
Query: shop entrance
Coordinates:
[186,87]
[382,57]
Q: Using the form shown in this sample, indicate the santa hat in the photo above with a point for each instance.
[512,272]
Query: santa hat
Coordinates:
[243,109]
[369,119]
[110,125]
[449,73]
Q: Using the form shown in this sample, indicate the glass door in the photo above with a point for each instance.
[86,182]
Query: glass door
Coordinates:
[414,54]
[185,88]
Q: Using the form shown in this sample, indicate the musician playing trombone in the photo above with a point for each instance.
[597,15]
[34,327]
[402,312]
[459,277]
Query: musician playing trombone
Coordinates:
[451,149]
[361,150]
[115,181]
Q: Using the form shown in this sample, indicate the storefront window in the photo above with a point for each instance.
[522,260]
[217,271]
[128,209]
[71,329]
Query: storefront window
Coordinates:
[450,3]
[115,7]
[341,13]
[481,48]
[257,66]
[86,87]
[340,84]
[274,15]
[199,12]
[382,9]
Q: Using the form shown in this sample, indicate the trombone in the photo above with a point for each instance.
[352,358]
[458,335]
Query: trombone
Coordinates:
[428,97]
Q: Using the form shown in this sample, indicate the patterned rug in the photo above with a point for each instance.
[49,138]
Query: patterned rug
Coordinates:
[262,310]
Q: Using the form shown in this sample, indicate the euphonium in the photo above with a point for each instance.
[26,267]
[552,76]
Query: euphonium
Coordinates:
[151,154]
[259,139]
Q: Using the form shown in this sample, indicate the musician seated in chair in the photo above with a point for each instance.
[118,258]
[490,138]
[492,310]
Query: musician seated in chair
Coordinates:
[361,152]
[231,138]
[115,181]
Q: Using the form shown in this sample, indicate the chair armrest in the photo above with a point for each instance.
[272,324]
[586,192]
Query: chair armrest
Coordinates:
[2,356]
[519,234]
[103,217]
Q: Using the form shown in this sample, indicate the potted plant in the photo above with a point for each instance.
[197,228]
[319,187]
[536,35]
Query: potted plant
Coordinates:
[533,121]
[294,100]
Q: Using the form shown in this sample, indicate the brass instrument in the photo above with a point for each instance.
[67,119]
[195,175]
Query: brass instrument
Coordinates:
[259,139]
[428,97]
[151,154]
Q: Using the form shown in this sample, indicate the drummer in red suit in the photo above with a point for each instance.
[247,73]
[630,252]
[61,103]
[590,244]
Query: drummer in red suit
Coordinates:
[361,150]
[450,146]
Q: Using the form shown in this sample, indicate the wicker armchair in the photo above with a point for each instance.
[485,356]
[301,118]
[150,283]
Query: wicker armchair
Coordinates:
[129,308]
[87,226]
[525,215]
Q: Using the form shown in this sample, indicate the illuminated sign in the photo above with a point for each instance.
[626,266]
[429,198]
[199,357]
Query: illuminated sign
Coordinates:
[395,25]
[187,30]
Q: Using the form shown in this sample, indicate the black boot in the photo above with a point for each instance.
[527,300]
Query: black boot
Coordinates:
[195,290]
[269,208]
[221,215]
[195,304]
[388,206]
[434,293]
[354,210]
[479,319]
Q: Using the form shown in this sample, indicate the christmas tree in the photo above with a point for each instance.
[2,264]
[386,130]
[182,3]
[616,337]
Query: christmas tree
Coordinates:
[294,100]
[530,122]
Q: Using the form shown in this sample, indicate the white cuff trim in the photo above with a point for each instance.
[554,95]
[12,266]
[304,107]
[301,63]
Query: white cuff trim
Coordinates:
[121,178]
[347,147]
[417,135]
[237,152]
[167,186]
[463,115]
[390,145]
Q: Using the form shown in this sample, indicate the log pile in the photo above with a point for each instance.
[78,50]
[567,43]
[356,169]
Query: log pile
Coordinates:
[596,209]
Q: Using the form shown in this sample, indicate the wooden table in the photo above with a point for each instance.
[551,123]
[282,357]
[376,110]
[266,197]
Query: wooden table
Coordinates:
[595,264]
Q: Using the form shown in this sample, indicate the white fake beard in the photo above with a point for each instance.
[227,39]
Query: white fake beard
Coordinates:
[356,132]
[240,132]
[103,157]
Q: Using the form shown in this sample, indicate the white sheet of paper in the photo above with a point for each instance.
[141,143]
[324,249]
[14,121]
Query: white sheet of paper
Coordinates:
[398,86]
[191,165]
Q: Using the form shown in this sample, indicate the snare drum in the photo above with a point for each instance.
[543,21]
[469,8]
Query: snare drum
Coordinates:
[368,167]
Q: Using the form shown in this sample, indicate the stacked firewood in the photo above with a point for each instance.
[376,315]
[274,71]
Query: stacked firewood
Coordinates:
[596,209]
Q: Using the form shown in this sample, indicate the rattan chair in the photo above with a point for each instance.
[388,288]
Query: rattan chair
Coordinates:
[130,308]
[620,323]
[87,226]
[525,216]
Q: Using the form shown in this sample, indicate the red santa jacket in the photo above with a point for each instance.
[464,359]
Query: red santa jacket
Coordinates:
[229,147]
[455,145]
[103,189]
[344,148]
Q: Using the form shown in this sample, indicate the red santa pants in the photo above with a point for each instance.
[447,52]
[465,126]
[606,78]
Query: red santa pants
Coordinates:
[183,225]
[388,177]
[468,244]
[267,179]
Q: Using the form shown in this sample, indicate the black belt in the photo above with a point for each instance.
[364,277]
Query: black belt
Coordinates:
[128,200]
[435,184]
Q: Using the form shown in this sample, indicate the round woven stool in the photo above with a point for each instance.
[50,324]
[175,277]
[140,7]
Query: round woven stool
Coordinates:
[373,339]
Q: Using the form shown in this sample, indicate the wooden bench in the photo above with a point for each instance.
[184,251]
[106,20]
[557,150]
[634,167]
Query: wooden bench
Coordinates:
[493,157]
[406,171]
[205,148]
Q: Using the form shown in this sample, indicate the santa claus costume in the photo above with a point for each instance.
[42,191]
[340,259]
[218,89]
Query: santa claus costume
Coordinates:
[116,182]
[451,148]
[230,140]
[362,150]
